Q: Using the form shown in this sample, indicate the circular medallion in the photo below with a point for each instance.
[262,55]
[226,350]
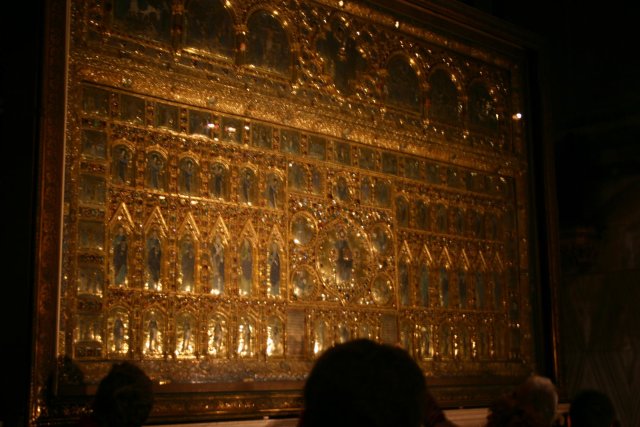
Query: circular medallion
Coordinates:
[381,289]
[381,239]
[303,229]
[303,283]
[343,256]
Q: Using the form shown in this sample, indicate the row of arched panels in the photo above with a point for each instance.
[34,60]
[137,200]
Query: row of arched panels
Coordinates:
[494,341]
[101,104]
[324,48]
[154,334]
[251,187]
[240,267]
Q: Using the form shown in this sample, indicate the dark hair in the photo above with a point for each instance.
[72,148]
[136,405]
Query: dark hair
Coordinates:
[364,383]
[124,397]
[591,408]
[532,404]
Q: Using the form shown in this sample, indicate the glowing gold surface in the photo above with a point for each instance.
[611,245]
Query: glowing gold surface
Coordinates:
[240,212]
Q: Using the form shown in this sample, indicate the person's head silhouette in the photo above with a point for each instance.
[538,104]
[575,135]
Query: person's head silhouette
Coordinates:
[591,408]
[124,397]
[533,403]
[364,383]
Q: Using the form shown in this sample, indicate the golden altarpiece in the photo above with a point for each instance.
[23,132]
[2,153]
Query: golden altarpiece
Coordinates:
[246,183]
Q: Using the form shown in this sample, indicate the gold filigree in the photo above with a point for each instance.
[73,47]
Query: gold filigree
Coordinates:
[233,209]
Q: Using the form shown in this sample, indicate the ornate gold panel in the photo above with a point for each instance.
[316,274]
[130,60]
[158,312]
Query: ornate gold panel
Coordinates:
[247,183]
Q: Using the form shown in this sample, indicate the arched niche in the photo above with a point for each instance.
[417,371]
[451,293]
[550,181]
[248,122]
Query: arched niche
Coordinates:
[402,85]
[268,43]
[147,19]
[482,109]
[443,97]
[209,27]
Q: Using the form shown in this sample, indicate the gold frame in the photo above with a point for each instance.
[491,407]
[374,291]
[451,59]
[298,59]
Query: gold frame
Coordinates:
[171,78]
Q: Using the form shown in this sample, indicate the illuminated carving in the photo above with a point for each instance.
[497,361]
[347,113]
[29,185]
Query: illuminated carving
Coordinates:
[247,184]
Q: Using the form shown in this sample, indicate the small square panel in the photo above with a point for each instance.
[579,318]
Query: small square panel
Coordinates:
[132,109]
[318,148]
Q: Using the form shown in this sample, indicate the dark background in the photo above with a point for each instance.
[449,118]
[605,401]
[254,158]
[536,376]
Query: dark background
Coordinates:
[20,63]
[592,80]
[590,71]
